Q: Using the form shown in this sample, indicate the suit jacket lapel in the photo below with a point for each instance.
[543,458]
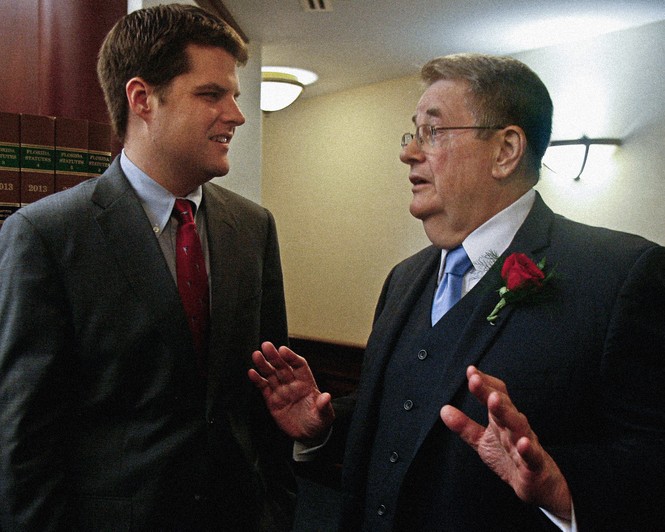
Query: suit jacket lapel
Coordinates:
[470,315]
[130,239]
[399,302]
[394,309]
[221,230]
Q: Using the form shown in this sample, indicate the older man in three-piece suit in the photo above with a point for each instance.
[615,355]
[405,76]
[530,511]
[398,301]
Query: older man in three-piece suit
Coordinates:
[535,401]
[590,396]
[112,417]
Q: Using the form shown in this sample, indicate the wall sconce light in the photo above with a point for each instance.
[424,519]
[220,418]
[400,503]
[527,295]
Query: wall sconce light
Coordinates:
[586,142]
[281,86]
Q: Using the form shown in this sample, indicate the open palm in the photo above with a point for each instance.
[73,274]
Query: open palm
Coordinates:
[291,394]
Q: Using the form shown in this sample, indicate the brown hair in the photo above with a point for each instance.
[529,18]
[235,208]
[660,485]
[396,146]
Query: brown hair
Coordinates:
[151,43]
[504,91]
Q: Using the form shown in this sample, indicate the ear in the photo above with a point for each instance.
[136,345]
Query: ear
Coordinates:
[138,96]
[510,150]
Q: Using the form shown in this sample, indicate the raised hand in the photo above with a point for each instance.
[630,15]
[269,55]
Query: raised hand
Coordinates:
[291,393]
[509,447]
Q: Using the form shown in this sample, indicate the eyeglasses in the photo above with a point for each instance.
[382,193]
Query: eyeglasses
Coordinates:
[426,135]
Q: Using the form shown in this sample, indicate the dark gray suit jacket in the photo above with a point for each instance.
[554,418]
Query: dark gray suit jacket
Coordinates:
[586,366]
[104,421]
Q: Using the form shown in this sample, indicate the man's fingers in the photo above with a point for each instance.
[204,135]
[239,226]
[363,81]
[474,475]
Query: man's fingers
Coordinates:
[467,429]
[274,356]
[261,384]
[531,453]
[274,373]
[263,367]
[515,431]
[481,385]
[277,365]
[506,416]
[257,379]
[280,367]
[291,358]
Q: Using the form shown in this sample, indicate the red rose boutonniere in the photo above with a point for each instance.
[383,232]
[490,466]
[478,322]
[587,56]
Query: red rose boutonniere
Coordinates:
[523,279]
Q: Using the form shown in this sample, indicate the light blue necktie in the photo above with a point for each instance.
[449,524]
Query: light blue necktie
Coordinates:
[449,290]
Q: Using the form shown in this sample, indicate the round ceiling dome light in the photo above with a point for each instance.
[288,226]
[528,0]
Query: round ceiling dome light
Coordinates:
[281,86]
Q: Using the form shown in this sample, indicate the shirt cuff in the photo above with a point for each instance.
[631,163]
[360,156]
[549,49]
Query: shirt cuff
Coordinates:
[306,453]
[564,524]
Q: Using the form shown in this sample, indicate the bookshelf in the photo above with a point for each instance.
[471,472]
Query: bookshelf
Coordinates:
[41,155]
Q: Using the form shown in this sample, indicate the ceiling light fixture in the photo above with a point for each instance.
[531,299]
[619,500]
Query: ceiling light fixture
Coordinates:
[281,86]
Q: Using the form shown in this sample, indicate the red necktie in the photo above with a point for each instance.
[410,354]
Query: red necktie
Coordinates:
[192,277]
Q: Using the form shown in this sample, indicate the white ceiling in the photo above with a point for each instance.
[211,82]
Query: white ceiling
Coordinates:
[364,41]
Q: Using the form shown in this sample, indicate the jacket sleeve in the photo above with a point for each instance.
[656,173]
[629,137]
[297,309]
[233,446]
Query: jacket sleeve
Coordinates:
[36,397]
[273,307]
[618,483]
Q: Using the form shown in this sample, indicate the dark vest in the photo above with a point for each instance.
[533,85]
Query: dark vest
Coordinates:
[407,409]
[413,451]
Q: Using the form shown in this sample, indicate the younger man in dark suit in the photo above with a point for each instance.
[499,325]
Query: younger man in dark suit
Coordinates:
[551,400]
[122,407]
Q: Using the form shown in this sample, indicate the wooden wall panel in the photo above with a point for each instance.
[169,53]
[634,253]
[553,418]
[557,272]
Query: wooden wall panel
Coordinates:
[49,54]
[19,57]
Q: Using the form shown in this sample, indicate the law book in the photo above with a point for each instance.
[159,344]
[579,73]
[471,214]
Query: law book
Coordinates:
[37,157]
[99,147]
[71,152]
[10,167]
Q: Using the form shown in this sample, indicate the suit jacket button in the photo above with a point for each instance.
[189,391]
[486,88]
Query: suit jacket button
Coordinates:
[381,510]
[408,404]
[422,354]
[394,456]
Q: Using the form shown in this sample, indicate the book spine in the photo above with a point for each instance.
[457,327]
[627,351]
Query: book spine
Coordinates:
[71,152]
[37,157]
[10,168]
[99,148]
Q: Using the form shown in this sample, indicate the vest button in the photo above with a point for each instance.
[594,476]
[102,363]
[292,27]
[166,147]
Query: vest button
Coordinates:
[408,404]
[394,456]
[381,510]
[422,354]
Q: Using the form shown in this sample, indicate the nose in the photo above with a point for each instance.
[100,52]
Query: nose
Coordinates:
[233,114]
[411,153]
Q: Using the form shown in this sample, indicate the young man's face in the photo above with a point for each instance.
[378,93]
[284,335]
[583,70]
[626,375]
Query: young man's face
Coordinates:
[196,116]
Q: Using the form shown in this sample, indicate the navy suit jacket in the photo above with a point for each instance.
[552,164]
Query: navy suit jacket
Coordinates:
[586,366]
[104,421]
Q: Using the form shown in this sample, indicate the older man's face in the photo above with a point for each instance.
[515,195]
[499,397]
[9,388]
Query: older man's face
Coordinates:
[452,181]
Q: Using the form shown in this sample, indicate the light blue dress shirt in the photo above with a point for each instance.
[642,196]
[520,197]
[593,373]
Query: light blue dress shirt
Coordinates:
[157,202]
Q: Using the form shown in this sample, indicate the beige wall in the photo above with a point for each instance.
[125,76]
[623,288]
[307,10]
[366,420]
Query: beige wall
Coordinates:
[612,86]
[332,177]
[244,177]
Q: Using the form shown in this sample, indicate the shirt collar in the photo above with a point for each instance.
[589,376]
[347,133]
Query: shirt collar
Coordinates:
[157,202]
[492,238]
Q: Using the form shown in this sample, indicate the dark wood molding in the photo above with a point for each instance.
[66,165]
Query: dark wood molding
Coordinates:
[335,366]
[217,7]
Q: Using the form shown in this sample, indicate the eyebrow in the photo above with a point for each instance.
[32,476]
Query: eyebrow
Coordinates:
[215,87]
[432,112]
